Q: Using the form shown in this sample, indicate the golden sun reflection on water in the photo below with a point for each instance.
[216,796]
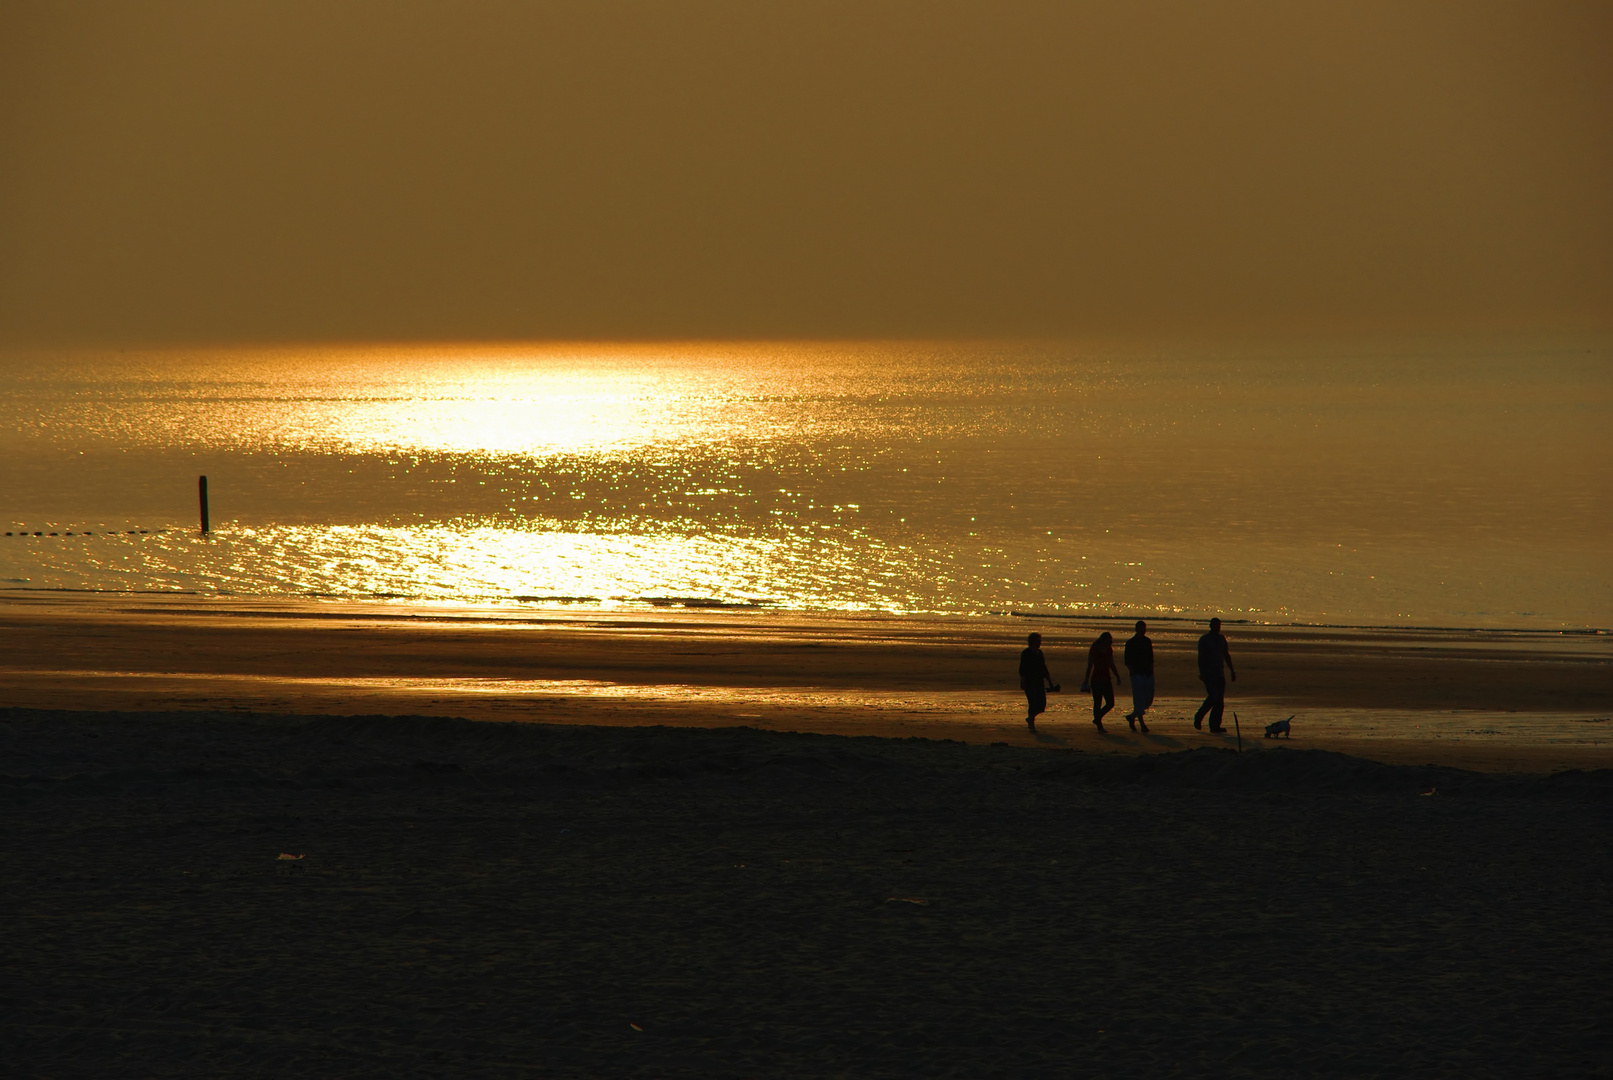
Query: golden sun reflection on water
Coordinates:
[480,563]
[1383,489]
[485,400]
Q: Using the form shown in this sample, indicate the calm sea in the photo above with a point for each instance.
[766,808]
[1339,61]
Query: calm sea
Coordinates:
[1396,487]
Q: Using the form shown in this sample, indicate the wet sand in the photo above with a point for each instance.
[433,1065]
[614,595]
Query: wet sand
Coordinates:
[1511,702]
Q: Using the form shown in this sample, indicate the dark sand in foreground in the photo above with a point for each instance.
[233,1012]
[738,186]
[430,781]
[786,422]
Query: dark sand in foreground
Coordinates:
[482,899]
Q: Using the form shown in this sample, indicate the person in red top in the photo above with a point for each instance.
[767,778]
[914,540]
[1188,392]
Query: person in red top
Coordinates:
[1101,673]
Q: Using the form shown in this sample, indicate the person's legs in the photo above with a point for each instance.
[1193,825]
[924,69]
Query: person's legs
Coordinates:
[1215,703]
[1219,707]
[1035,704]
[1103,699]
[1209,702]
[1142,698]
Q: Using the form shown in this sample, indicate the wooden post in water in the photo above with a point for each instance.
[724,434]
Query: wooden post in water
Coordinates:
[201,491]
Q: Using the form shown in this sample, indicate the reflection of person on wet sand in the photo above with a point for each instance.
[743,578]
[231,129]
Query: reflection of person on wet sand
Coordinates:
[1213,653]
[1034,679]
[1100,668]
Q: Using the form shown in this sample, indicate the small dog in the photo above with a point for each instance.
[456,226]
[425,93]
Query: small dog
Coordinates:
[1279,728]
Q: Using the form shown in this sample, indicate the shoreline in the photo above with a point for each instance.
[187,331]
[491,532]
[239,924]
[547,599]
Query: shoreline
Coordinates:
[645,605]
[1488,700]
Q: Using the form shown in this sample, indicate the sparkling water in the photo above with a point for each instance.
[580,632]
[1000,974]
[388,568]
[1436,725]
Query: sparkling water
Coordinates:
[1432,487]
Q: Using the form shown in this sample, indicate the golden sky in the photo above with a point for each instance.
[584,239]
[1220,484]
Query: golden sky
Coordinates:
[290,170]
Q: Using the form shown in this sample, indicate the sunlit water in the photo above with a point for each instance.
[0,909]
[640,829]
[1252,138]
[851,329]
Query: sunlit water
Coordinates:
[1397,487]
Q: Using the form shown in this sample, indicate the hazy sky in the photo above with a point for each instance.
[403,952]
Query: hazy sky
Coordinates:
[214,171]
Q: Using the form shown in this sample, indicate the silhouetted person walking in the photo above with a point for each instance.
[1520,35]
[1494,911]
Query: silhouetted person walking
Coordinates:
[1213,653]
[1100,666]
[1139,657]
[1034,679]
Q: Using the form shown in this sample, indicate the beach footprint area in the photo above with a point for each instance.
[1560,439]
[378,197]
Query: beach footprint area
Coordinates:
[204,894]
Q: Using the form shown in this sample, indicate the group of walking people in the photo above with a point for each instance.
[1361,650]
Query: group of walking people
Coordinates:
[1215,662]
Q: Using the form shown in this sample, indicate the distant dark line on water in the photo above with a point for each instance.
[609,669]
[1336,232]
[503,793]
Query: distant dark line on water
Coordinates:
[699,602]
[115,592]
[1589,631]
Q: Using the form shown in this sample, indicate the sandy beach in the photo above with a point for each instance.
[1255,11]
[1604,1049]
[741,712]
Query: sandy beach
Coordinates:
[740,843]
[209,894]
[1512,702]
